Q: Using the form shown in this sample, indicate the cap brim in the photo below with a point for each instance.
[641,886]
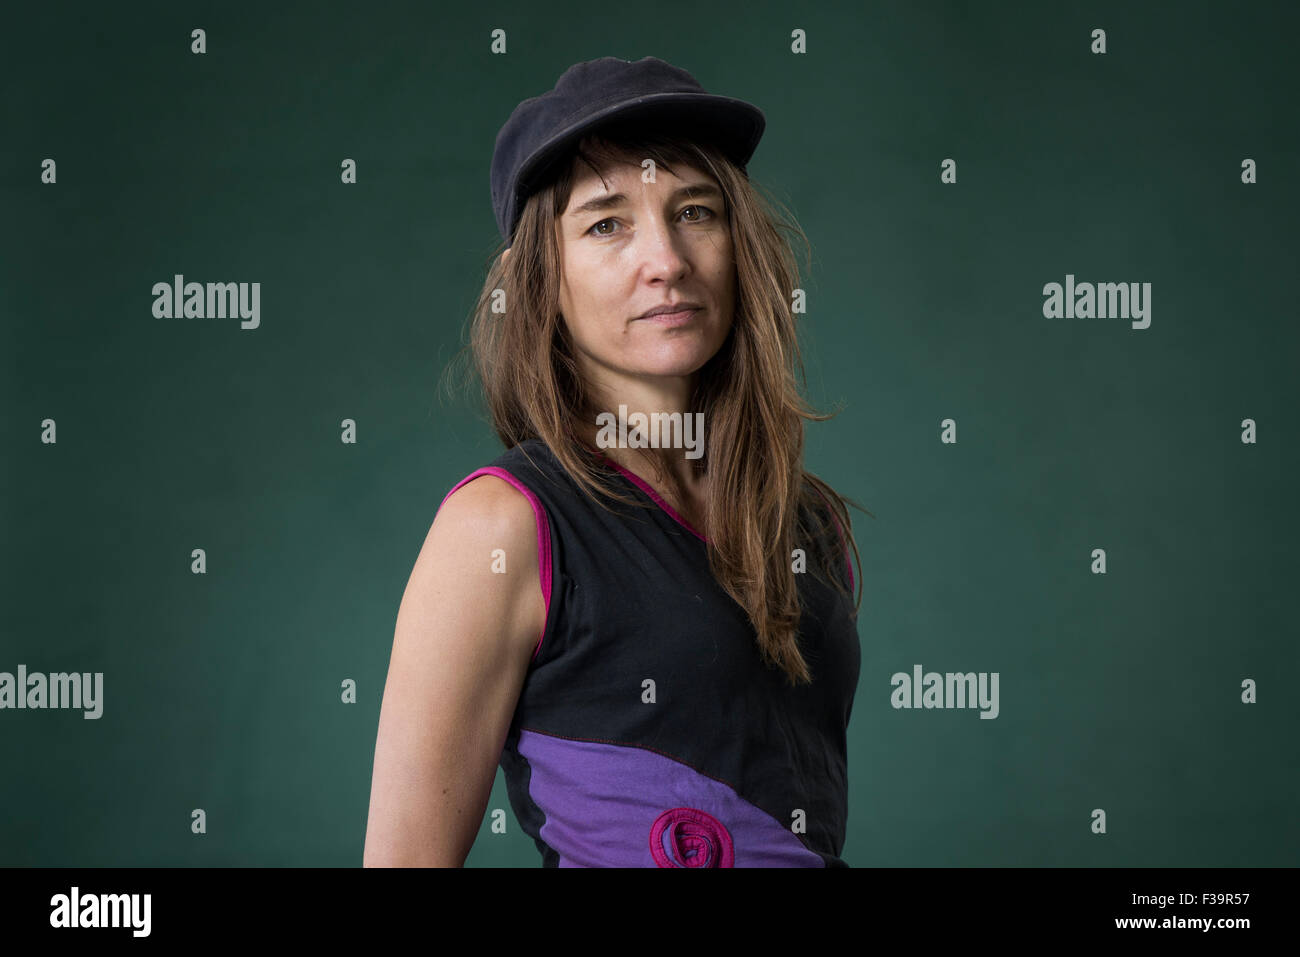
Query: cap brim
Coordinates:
[737,124]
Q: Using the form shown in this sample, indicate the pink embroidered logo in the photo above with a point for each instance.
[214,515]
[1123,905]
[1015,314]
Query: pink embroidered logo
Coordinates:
[689,837]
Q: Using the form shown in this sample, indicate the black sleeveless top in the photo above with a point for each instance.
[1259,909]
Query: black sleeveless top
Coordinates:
[648,731]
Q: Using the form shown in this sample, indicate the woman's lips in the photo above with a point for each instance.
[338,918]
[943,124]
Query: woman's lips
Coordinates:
[672,318]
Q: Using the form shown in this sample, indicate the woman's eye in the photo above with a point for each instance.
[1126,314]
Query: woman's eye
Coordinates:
[698,218]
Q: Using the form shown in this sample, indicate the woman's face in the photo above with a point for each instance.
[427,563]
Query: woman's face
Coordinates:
[631,246]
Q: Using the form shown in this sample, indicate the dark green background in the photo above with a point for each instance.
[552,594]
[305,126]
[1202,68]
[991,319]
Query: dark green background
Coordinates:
[1118,691]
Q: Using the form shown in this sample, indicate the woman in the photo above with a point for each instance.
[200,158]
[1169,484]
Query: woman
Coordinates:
[658,645]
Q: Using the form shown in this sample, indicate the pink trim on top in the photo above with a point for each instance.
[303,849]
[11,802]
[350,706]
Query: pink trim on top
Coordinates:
[543,534]
[641,483]
[645,487]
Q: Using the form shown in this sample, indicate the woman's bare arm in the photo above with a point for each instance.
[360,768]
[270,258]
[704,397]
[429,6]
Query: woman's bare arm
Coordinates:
[464,639]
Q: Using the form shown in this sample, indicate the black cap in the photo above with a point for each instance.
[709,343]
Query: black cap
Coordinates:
[541,129]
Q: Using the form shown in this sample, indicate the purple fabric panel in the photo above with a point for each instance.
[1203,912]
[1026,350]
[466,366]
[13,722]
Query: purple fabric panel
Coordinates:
[602,802]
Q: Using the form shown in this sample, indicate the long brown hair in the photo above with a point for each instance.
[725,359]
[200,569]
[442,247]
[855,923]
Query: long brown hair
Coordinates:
[758,491]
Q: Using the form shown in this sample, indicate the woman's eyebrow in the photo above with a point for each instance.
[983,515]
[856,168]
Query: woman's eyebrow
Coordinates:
[602,203]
